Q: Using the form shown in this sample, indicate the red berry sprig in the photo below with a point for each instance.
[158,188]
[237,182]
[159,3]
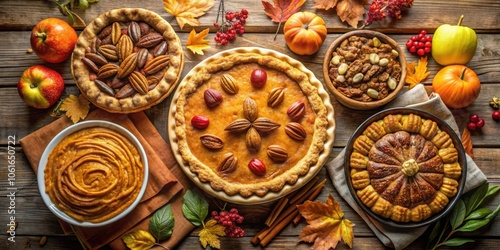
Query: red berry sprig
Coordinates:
[229,221]
[381,9]
[475,122]
[420,44]
[232,25]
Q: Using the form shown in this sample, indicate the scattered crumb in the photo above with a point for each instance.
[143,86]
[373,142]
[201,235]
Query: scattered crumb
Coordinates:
[29,51]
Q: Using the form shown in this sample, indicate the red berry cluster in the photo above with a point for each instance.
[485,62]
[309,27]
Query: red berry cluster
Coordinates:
[232,26]
[420,44]
[475,122]
[229,221]
[380,9]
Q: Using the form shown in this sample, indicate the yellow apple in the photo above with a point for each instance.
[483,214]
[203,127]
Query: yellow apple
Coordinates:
[454,44]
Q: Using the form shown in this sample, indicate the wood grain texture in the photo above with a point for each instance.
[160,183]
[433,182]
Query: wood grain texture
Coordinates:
[17,18]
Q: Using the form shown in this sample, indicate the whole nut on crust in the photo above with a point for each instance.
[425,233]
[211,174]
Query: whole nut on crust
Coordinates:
[296,111]
[295,131]
[277,153]
[275,97]
[265,125]
[139,82]
[212,98]
[228,83]
[253,140]
[228,164]
[239,125]
[250,109]
[211,141]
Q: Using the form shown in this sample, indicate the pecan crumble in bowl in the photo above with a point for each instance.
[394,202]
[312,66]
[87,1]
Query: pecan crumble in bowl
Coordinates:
[364,69]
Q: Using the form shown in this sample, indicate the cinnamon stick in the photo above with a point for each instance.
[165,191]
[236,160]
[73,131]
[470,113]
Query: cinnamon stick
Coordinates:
[285,220]
[303,190]
[276,211]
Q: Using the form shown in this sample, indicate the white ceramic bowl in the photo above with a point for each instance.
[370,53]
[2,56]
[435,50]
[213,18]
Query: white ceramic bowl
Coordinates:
[70,130]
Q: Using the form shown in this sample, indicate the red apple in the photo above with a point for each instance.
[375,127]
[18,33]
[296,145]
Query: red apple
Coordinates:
[40,87]
[53,40]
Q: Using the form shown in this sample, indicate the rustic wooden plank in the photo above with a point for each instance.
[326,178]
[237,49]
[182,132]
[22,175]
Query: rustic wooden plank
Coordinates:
[425,14]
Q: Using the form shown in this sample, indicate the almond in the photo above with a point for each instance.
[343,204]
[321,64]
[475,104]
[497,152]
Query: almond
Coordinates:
[156,64]
[228,164]
[265,125]
[139,82]
[253,140]
[107,70]
[277,153]
[295,131]
[211,141]
[275,97]
[250,109]
[239,125]
[228,84]
[127,66]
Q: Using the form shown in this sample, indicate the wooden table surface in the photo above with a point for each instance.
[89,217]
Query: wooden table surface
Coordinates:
[17,18]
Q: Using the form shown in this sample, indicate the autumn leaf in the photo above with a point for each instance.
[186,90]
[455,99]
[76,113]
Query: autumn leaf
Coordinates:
[139,240]
[350,11]
[210,234]
[327,225]
[76,107]
[281,10]
[186,11]
[196,42]
[415,74]
[467,142]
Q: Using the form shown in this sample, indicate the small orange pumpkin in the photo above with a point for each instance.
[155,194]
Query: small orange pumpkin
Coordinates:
[457,85]
[304,32]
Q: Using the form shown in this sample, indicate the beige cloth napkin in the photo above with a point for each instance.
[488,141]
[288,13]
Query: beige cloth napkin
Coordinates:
[396,237]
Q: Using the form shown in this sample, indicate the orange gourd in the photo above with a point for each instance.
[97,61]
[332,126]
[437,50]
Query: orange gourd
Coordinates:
[457,85]
[304,32]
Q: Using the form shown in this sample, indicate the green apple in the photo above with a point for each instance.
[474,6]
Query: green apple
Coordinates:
[454,44]
[40,87]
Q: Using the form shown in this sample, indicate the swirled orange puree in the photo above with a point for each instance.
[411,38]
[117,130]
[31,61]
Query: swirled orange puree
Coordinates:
[94,174]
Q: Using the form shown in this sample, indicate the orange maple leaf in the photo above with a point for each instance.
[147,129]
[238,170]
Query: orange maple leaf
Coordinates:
[467,142]
[350,11]
[197,42]
[281,10]
[327,225]
[186,11]
[416,74]
[76,107]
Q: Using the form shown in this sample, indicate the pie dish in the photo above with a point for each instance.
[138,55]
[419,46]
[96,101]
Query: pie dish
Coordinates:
[262,140]
[405,167]
[127,60]
[93,173]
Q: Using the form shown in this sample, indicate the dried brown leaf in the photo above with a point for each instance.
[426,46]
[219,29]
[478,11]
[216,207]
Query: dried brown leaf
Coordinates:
[467,142]
[350,11]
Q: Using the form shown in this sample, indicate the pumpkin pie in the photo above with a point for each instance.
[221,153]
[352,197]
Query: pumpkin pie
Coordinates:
[248,122]
[127,60]
[405,168]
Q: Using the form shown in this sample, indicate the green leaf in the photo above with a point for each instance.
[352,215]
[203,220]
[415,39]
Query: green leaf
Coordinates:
[479,214]
[456,242]
[473,225]
[457,215]
[477,197]
[161,224]
[492,215]
[435,231]
[194,208]
[492,190]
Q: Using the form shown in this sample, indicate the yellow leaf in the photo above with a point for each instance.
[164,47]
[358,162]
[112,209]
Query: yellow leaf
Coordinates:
[210,234]
[186,11]
[139,240]
[416,74]
[76,107]
[196,42]
[327,225]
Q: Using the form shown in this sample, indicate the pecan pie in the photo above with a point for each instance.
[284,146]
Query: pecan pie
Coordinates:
[405,167]
[127,60]
[248,123]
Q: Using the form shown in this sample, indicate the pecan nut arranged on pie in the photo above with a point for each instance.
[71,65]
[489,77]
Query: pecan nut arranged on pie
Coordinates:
[405,168]
[127,60]
[249,123]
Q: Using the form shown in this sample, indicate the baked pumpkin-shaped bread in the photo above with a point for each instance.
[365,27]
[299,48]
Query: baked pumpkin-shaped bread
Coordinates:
[403,167]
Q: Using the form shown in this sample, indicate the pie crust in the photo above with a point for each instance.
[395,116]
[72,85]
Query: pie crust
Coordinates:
[244,186]
[136,102]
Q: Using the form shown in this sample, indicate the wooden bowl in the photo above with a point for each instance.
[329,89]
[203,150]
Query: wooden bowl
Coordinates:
[352,103]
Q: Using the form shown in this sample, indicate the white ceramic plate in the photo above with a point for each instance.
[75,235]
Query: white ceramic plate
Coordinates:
[270,196]
[70,130]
